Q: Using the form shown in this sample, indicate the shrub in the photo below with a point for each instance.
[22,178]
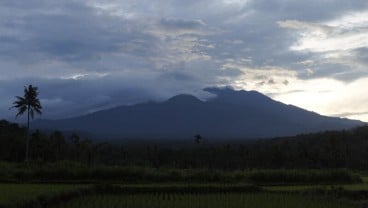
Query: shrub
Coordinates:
[304,177]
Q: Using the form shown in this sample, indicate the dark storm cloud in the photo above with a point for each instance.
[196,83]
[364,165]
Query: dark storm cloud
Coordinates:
[74,32]
[90,55]
[65,98]
[177,76]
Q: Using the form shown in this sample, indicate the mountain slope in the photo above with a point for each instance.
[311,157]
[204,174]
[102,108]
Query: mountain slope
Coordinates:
[231,114]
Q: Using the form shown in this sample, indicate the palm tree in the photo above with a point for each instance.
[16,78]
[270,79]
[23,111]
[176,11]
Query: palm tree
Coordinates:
[28,103]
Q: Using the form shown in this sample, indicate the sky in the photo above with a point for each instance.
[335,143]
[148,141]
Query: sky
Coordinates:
[91,55]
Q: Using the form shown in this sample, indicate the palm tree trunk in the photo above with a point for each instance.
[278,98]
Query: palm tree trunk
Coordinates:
[27,139]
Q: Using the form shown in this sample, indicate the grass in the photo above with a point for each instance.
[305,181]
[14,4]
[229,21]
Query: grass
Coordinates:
[291,188]
[220,200]
[170,195]
[65,171]
[44,195]
[365,179]
[21,193]
[311,176]
[356,187]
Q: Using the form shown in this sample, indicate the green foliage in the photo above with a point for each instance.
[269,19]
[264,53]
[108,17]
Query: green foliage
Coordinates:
[12,143]
[17,195]
[64,171]
[303,177]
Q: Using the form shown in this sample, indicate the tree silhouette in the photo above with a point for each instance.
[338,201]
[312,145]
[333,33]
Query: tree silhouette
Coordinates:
[31,104]
[197,138]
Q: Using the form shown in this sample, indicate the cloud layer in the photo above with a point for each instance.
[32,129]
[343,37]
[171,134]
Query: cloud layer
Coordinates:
[91,55]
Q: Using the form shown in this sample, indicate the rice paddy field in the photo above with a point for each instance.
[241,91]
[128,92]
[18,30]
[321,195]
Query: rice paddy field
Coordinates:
[170,195]
[221,200]
[19,195]
[12,194]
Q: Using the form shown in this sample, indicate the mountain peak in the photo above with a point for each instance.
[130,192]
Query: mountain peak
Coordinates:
[230,95]
[220,90]
[184,99]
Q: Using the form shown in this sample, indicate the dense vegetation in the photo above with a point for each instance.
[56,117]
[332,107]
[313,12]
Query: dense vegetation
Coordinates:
[75,172]
[332,149]
[197,172]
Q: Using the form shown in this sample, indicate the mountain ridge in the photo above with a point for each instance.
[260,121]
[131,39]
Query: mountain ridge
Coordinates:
[230,114]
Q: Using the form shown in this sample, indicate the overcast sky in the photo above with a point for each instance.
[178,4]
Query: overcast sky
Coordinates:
[90,55]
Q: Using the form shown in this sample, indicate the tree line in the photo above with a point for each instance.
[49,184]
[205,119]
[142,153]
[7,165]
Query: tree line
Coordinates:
[330,149]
